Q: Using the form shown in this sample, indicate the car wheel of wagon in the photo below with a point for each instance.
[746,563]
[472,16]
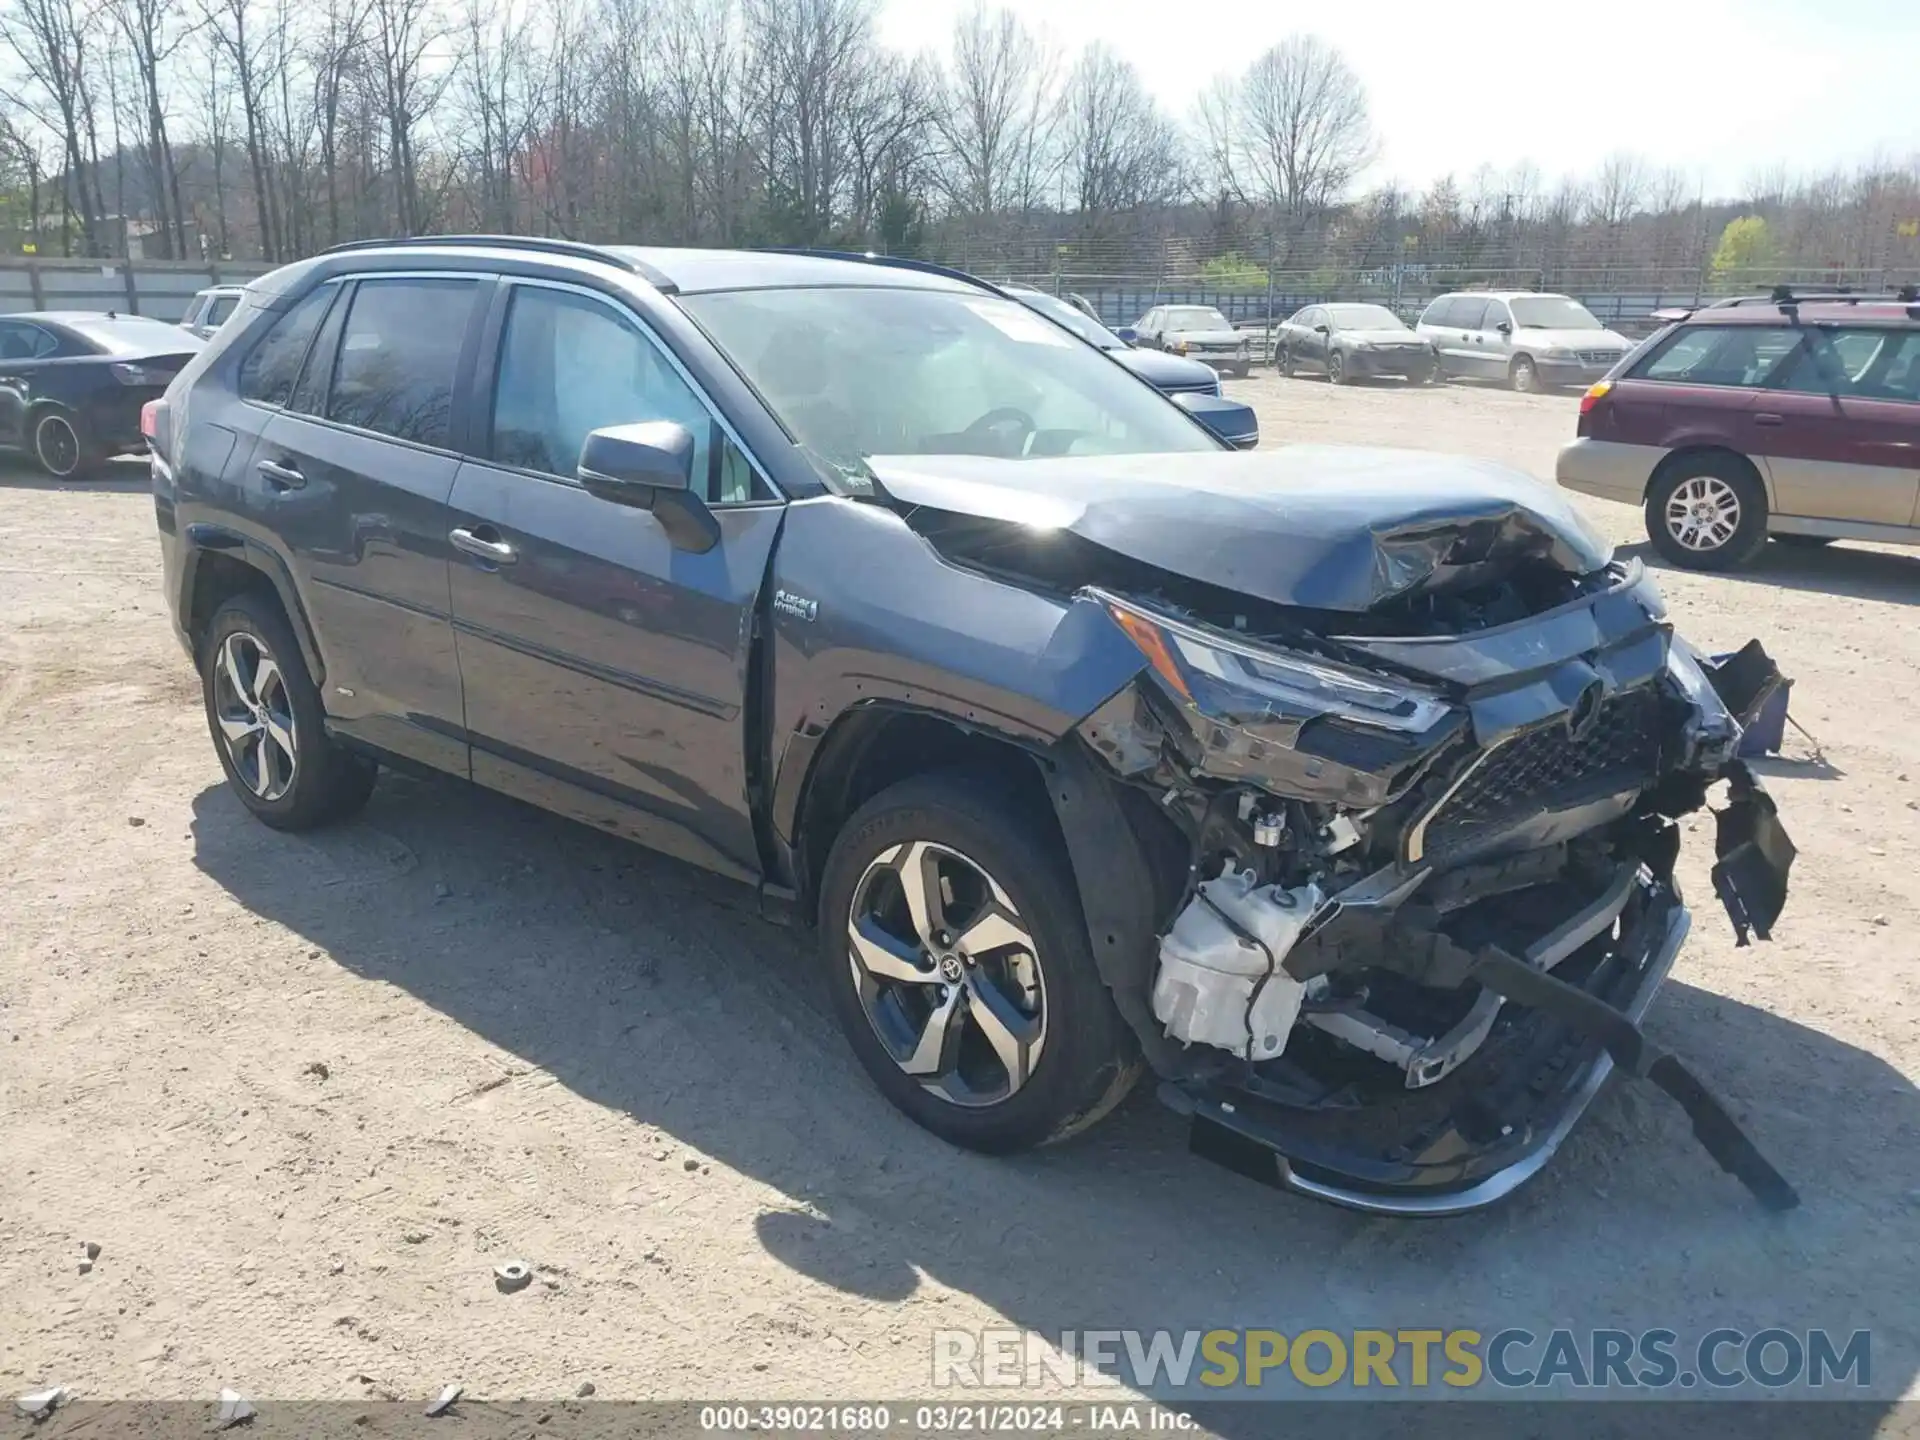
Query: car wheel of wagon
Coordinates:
[60,446]
[961,972]
[1707,514]
[1522,376]
[1336,368]
[264,714]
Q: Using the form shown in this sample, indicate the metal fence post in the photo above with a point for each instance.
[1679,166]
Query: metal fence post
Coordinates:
[33,281]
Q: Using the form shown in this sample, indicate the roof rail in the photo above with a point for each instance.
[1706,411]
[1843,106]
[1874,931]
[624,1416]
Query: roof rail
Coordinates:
[541,244]
[895,262]
[1787,296]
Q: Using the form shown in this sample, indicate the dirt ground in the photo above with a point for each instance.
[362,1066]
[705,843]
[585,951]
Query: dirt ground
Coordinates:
[305,1092]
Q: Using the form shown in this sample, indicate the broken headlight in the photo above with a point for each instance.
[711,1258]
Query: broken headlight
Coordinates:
[1187,658]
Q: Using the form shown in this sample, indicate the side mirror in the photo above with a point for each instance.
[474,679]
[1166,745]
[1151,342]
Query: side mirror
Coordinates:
[649,466]
[1505,327]
[1230,420]
[1323,330]
[1128,334]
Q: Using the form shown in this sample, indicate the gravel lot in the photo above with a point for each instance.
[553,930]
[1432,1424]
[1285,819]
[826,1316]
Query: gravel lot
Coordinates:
[307,1092]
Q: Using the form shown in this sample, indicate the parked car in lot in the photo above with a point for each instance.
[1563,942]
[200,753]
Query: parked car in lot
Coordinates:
[1338,787]
[1347,342]
[72,383]
[1199,332]
[1193,385]
[1529,340]
[210,309]
[1798,419]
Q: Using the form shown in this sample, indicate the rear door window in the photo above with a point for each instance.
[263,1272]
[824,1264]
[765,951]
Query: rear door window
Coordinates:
[1869,363]
[1728,355]
[399,348]
[1466,314]
[1495,313]
[268,373]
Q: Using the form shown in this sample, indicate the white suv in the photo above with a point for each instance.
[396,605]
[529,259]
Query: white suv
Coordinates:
[1529,340]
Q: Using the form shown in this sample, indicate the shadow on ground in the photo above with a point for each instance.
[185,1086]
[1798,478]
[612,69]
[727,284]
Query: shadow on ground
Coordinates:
[641,984]
[1828,570]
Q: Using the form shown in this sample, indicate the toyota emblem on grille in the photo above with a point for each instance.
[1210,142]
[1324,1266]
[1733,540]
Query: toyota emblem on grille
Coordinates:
[1584,713]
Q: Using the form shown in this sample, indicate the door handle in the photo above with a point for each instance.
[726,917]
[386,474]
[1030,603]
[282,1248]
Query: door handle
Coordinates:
[283,476]
[1767,417]
[483,544]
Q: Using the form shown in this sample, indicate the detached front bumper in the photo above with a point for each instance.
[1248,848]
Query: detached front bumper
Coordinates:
[1405,362]
[1499,1119]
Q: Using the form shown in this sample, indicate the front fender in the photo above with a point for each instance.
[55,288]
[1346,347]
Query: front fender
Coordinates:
[864,610]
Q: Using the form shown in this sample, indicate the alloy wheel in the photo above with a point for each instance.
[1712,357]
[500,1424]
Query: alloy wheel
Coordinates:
[255,715]
[946,971]
[1525,379]
[1703,512]
[57,445]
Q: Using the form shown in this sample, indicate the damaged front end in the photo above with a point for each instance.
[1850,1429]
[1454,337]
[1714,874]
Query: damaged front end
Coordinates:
[1413,882]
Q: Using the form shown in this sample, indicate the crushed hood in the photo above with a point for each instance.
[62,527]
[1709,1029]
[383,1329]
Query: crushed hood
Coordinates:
[1319,526]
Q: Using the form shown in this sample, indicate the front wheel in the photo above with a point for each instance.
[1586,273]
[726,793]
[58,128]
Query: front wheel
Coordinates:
[1336,368]
[961,972]
[265,717]
[1708,513]
[1522,376]
[1283,362]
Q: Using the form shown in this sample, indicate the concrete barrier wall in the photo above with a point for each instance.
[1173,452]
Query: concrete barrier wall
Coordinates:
[157,288]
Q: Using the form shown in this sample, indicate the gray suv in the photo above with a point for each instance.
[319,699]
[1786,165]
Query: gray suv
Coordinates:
[1529,340]
[1339,788]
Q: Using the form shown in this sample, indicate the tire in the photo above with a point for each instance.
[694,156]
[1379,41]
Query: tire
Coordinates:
[1522,377]
[1803,542]
[1683,500]
[1432,375]
[272,717]
[1283,362]
[1336,368]
[965,1091]
[60,445]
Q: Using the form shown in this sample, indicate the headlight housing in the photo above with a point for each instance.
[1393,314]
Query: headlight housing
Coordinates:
[1560,353]
[1179,347]
[1192,662]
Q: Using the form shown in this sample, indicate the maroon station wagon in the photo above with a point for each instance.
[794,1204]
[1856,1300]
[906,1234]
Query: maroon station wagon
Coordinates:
[1791,417]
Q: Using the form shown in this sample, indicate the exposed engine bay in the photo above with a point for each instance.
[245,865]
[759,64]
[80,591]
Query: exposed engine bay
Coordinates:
[1407,829]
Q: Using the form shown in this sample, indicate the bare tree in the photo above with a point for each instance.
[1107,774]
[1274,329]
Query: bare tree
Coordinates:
[1292,134]
[49,41]
[402,32]
[1121,152]
[1000,120]
[154,30]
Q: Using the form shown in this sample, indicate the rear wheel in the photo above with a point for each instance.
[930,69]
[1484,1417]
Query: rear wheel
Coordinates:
[60,445]
[1707,513]
[961,972]
[268,729]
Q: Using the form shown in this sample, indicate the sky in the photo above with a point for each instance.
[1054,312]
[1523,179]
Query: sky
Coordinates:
[1720,89]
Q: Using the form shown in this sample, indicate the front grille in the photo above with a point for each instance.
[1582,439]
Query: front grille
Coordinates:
[1197,387]
[1550,768]
[1598,357]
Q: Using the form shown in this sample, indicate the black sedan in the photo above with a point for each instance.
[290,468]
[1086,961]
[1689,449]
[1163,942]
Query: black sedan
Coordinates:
[1191,385]
[72,383]
[1347,342]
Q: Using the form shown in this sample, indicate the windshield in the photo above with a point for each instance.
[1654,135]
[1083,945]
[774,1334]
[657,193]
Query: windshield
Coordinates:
[853,373]
[1364,317]
[1054,308]
[1196,317]
[1551,312]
